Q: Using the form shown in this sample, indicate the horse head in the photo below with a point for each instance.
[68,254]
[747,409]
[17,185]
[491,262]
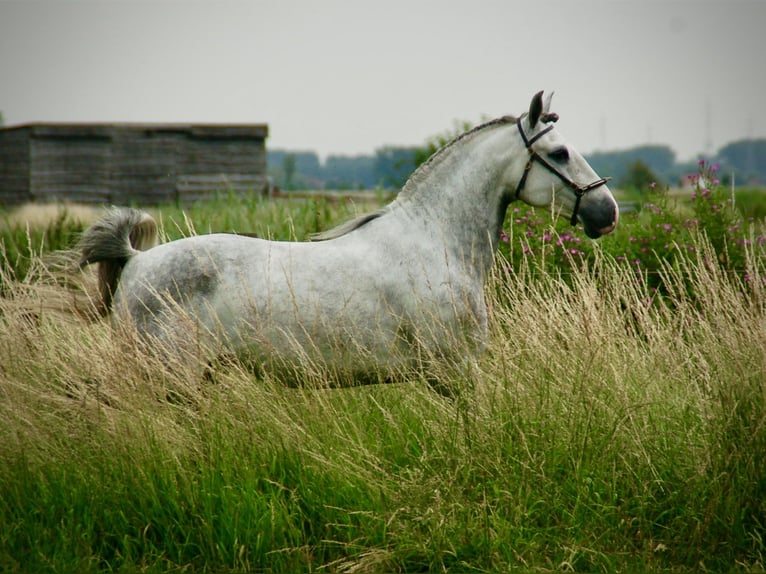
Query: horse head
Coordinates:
[557,176]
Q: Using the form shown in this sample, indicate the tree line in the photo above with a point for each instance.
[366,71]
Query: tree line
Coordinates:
[389,167]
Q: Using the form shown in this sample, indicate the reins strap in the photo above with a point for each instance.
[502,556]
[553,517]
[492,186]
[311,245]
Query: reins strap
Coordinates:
[523,180]
[532,154]
[573,219]
[537,136]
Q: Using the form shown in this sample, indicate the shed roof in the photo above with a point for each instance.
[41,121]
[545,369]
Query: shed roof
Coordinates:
[106,130]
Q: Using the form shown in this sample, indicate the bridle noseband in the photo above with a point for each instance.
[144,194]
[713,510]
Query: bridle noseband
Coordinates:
[579,190]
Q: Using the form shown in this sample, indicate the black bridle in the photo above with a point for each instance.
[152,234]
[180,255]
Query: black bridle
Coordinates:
[579,190]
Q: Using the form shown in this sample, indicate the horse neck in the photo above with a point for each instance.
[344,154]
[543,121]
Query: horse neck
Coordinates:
[461,194]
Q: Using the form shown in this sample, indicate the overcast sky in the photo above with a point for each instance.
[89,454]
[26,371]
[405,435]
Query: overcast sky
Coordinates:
[347,77]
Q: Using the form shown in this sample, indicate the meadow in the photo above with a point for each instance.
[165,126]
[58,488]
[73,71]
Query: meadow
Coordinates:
[616,422]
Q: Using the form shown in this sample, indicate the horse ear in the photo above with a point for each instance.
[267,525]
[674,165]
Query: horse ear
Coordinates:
[535,109]
[547,103]
[547,115]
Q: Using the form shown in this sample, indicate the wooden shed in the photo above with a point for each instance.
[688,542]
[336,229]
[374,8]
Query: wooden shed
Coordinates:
[130,163]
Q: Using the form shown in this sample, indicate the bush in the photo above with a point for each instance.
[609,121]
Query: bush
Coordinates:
[650,239]
[638,175]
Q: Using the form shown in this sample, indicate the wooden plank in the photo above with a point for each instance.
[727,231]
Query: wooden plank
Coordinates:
[71,131]
[14,166]
[230,132]
[144,168]
[69,169]
[74,194]
[131,163]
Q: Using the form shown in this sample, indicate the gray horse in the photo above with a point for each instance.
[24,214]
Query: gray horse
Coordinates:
[371,297]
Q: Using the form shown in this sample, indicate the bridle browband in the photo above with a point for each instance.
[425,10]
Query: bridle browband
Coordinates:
[579,190]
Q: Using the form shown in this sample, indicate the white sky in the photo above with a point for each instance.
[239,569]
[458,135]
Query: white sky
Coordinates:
[350,76]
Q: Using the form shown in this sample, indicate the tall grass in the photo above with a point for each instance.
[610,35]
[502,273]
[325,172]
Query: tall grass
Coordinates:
[608,427]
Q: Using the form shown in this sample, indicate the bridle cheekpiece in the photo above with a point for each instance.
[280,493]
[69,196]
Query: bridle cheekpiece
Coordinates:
[579,190]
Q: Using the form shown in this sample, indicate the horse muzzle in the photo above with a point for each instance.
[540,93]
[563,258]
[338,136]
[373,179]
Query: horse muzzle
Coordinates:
[599,217]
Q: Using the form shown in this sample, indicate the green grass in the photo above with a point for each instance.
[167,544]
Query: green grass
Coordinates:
[751,202]
[607,428]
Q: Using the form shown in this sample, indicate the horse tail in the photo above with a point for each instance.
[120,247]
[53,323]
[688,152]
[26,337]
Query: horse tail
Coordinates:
[111,242]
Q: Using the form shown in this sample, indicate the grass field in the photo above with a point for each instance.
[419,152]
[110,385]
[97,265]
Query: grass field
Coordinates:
[609,427]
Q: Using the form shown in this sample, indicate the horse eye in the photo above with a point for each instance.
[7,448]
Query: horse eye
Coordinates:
[560,154]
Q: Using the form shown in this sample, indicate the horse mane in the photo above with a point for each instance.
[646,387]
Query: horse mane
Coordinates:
[348,226]
[412,182]
[426,167]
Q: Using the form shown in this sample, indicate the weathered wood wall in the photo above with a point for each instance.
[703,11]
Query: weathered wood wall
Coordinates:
[14,167]
[130,164]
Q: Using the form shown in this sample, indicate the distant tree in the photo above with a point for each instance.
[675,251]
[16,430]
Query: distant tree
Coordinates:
[660,159]
[288,170]
[393,165]
[435,143]
[307,171]
[2,120]
[349,172]
[746,157]
[637,176]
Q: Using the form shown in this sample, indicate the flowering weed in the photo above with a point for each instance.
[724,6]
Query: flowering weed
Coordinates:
[662,229]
